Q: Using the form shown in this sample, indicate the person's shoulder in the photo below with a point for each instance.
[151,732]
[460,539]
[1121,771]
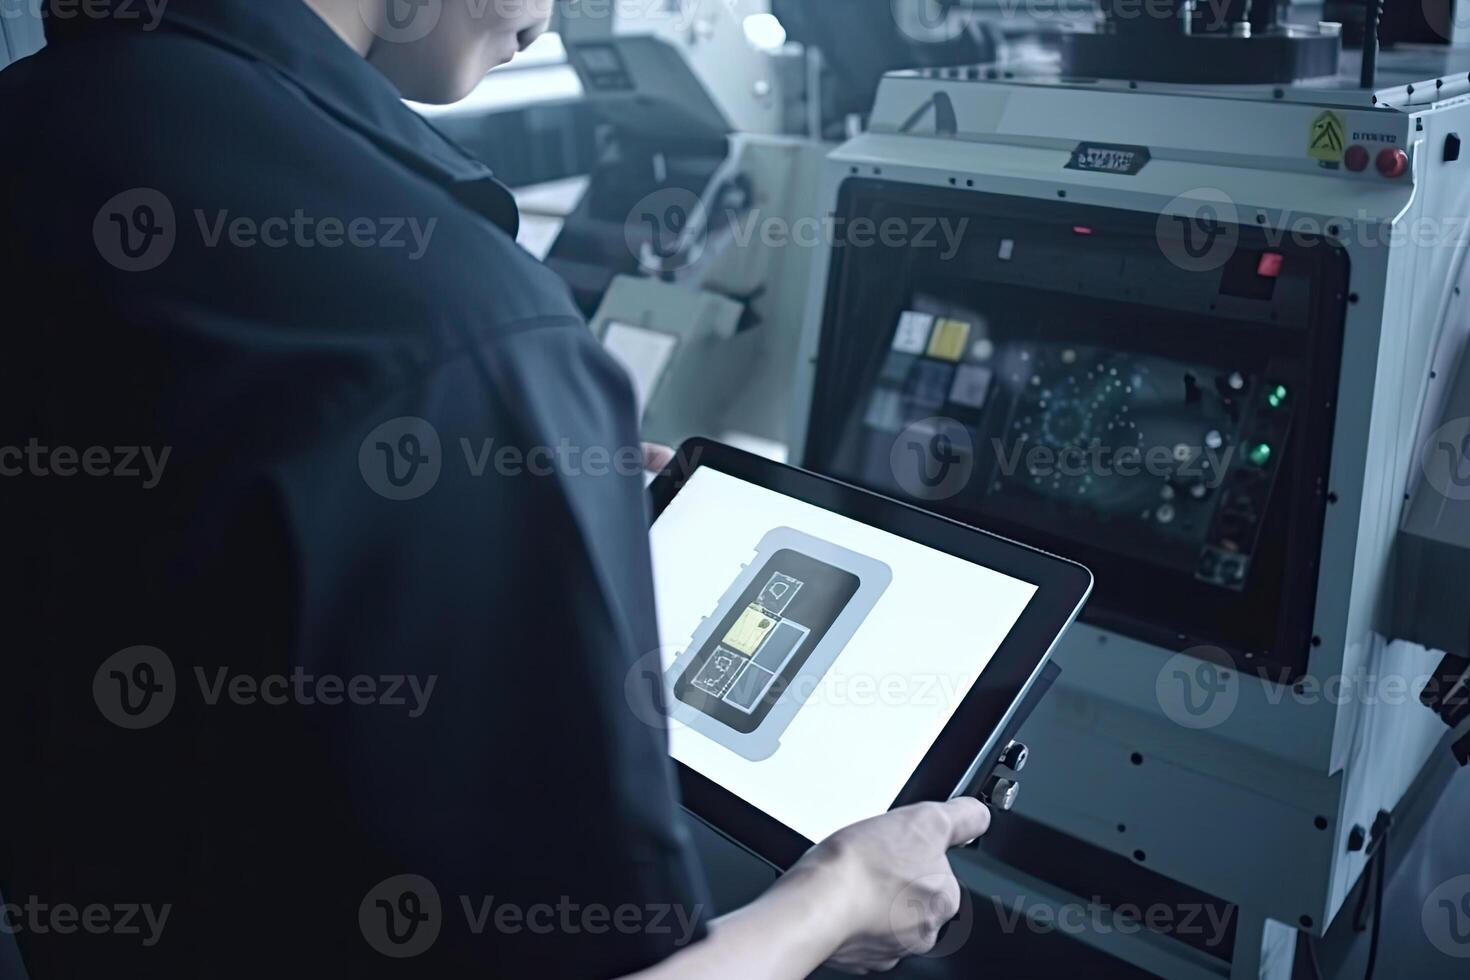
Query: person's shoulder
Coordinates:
[116,77]
[245,158]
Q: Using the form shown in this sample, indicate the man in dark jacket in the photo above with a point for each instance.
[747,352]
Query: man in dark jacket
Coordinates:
[325,552]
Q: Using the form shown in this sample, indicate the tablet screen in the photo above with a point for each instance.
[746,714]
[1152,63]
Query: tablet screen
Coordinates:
[810,661]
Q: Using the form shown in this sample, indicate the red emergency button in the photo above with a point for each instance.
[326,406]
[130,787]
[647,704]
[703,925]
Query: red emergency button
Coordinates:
[1356,158]
[1392,162]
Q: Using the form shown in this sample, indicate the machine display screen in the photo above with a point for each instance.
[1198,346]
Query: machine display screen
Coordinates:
[1091,381]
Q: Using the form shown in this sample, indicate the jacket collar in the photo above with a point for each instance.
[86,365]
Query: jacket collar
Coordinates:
[290,38]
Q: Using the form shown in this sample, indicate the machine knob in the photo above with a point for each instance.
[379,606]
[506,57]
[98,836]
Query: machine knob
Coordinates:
[1001,792]
[1392,162]
[1356,158]
[1014,757]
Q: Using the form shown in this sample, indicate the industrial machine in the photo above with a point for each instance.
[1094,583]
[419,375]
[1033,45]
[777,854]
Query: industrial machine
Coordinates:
[665,253]
[690,250]
[1193,332]
[1178,292]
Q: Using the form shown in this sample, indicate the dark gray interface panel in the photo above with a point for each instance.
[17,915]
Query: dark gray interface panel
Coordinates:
[1147,396]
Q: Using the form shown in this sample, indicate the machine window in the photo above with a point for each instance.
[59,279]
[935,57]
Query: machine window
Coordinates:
[1110,404]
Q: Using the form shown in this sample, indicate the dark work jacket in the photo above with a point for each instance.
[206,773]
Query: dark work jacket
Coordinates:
[392,459]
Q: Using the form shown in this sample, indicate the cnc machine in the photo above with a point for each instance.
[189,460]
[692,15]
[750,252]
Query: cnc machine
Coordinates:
[1205,332]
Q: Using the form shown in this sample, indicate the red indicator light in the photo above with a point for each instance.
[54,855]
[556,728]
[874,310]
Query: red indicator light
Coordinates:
[1081,230]
[1270,265]
[1356,158]
[1392,162]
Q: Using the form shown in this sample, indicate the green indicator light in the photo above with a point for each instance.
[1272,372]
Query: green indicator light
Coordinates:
[1277,398]
[1261,454]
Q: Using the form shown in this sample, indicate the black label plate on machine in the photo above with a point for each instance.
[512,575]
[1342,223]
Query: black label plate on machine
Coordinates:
[1109,158]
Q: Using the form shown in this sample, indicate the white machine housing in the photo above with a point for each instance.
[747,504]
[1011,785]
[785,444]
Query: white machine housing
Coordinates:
[1259,810]
[684,65]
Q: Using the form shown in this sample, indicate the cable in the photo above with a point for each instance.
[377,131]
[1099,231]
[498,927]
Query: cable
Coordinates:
[1312,956]
[1378,874]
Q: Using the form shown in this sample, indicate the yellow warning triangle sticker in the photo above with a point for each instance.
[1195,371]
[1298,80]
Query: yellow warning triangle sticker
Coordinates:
[1329,136]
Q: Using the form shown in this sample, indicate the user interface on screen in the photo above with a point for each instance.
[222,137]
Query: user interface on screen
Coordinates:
[810,661]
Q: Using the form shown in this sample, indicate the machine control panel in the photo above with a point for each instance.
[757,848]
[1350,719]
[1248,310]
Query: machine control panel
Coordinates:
[1091,381]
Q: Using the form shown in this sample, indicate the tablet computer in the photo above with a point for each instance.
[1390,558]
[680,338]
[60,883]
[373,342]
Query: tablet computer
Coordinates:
[828,653]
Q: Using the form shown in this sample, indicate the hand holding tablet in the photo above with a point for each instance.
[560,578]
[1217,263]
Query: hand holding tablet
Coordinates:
[832,654]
